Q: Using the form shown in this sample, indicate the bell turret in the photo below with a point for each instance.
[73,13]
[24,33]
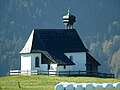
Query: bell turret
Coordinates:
[69,20]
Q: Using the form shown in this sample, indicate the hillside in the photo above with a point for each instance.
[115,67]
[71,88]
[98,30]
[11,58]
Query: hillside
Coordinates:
[97,22]
[45,82]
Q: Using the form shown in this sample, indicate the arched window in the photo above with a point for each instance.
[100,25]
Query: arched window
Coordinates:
[71,58]
[37,62]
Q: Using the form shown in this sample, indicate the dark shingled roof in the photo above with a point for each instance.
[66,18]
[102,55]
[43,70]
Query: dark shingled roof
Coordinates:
[91,59]
[53,43]
[57,40]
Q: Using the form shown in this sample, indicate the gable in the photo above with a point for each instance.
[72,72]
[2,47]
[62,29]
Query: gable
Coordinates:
[28,45]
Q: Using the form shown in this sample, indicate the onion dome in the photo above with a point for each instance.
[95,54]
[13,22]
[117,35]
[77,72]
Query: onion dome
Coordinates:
[69,20]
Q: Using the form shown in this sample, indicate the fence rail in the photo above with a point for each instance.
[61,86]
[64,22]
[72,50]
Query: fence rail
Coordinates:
[61,73]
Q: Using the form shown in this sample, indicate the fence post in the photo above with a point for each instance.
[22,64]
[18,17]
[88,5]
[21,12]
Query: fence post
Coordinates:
[19,85]
[48,72]
[69,72]
[113,75]
[79,72]
[59,73]
[27,72]
[37,72]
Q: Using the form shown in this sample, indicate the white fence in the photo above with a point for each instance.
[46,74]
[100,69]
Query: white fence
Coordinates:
[85,86]
[61,73]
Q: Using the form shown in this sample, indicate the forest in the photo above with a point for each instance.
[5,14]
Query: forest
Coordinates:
[97,22]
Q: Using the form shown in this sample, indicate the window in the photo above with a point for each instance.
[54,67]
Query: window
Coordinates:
[37,62]
[71,58]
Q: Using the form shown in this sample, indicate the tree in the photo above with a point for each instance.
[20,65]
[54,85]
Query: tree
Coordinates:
[115,63]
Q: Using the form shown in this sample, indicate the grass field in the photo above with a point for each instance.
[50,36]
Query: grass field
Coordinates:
[46,82]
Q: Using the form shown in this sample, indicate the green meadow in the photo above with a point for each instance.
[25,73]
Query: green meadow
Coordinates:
[47,82]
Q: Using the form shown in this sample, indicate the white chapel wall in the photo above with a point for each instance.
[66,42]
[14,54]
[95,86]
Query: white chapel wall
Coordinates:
[28,63]
[25,62]
[79,58]
[33,56]
[43,67]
